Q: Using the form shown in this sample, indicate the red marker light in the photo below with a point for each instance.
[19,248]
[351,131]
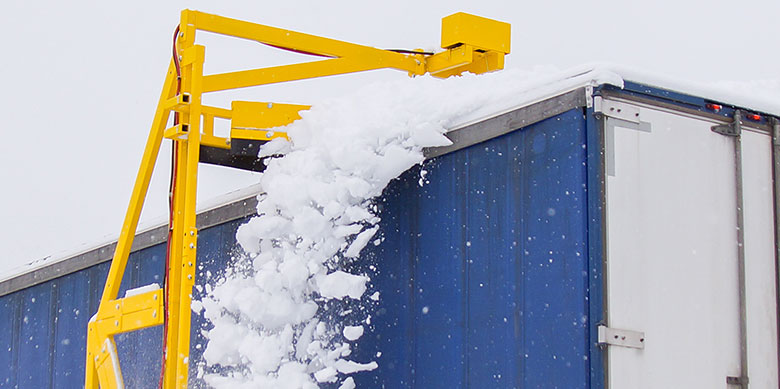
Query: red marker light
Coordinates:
[753,116]
[714,107]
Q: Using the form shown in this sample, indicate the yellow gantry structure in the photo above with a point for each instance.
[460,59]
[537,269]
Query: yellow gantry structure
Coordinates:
[470,43]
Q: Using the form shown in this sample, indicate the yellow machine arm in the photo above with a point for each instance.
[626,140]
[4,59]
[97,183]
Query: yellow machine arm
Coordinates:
[470,43]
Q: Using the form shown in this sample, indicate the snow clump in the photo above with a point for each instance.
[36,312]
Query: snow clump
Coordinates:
[315,216]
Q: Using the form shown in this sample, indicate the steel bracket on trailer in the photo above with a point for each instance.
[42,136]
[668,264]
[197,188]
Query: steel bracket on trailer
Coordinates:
[622,338]
[739,381]
[616,110]
[732,129]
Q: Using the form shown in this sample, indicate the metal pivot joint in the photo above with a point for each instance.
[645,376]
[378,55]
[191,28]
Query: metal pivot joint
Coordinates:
[471,44]
[732,129]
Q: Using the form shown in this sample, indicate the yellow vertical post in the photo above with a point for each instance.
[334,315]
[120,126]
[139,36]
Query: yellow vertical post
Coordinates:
[91,376]
[189,249]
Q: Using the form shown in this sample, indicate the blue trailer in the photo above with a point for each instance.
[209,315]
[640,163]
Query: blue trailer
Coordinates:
[596,236]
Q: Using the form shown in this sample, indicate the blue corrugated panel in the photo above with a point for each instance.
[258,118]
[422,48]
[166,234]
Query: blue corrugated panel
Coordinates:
[36,336]
[43,333]
[482,274]
[10,312]
[483,270]
[73,311]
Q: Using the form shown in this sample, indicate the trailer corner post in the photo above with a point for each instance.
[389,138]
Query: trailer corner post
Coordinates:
[775,123]
[734,129]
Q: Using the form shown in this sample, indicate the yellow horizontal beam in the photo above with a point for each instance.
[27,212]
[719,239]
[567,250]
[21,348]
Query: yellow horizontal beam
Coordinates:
[284,73]
[131,313]
[298,41]
[214,141]
[217,112]
[177,132]
[260,115]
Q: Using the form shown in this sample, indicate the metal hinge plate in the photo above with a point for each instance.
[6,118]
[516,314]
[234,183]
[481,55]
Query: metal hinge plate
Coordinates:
[623,338]
[732,129]
[616,109]
[739,381]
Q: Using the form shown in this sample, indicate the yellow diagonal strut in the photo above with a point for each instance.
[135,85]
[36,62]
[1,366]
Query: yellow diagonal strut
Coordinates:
[470,43]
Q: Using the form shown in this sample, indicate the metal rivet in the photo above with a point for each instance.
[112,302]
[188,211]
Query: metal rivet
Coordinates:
[117,306]
[116,323]
[192,233]
[270,105]
[189,276]
[155,297]
[190,263]
[154,313]
[192,245]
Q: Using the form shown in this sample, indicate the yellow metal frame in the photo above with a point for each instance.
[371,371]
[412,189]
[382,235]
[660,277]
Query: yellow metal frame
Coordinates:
[474,44]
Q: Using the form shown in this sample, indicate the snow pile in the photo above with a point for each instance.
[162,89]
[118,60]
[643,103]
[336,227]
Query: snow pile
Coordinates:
[270,328]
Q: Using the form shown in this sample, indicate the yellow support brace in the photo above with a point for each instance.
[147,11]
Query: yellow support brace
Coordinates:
[473,44]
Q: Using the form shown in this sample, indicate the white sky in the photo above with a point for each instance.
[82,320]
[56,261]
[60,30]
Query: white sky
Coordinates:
[79,83]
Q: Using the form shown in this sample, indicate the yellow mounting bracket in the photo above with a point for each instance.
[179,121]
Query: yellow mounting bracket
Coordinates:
[470,43]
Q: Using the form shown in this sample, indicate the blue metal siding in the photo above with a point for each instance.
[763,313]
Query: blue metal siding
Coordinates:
[43,329]
[36,337]
[483,271]
[10,312]
[482,274]
[71,339]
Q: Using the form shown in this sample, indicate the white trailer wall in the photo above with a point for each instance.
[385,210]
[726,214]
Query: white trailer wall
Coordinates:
[672,269]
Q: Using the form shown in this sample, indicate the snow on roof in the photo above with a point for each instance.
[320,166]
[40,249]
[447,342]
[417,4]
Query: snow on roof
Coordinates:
[762,95]
[504,91]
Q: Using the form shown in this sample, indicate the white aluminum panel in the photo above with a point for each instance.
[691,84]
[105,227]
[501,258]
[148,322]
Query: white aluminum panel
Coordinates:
[759,260]
[672,252]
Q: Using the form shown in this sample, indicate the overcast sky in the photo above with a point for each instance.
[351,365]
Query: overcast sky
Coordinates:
[79,83]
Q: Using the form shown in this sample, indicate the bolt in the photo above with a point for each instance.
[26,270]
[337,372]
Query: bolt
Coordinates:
[116,323]
[189,276]
[192,233]
[181,58]
[181,34]
[192,245]
[270,105]
[154,314]
[117,306]
[269,134]
[155,297]
[190,263]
